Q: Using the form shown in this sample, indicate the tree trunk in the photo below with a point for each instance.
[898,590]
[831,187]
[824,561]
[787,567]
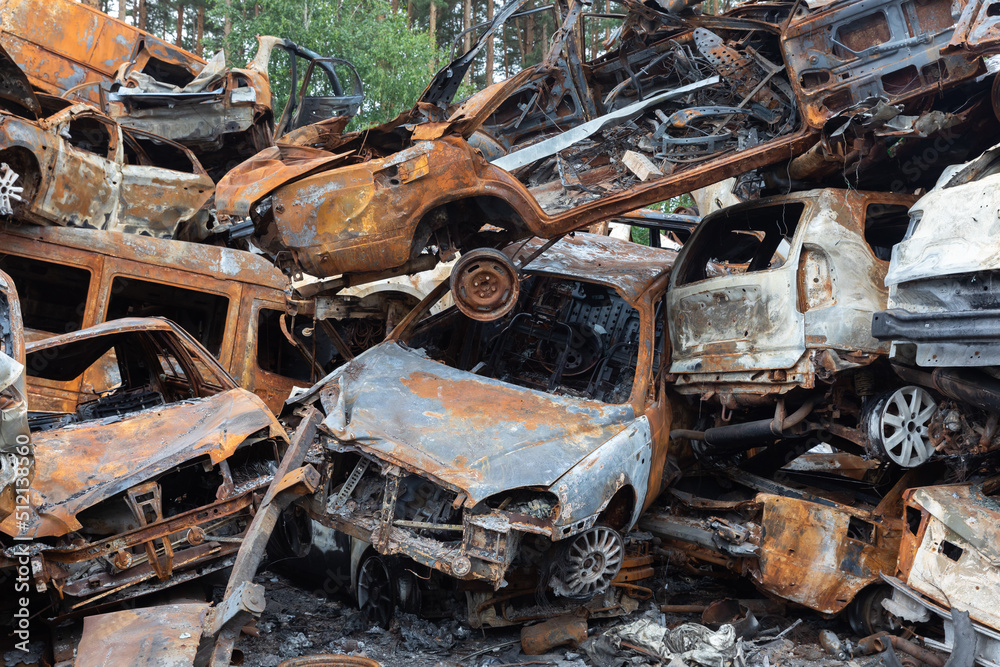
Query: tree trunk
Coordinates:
[521,33]
[530,41]
[121,10]
[199,45]
[140,20]
[409,13]
[432,30]
[96,4]
[395,6]
[227,23]
[467,23]
[180,25]
[506,58]
[489,45]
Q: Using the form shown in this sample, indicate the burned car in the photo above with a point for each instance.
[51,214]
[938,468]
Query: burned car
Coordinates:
[149,482]
[73,50]
[684,101]
[819,533]
[770,306]
[943,308]
[948,568]
[516,452]
[74,166]
[224,114]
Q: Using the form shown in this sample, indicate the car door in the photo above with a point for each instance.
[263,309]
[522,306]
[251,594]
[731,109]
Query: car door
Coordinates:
[164,188]
[82,190]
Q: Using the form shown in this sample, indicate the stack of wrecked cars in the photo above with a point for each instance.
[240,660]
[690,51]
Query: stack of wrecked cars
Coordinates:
[802,393]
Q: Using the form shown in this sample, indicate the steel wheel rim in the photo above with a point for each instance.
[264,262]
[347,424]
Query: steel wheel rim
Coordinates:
[903,425]
[485,285]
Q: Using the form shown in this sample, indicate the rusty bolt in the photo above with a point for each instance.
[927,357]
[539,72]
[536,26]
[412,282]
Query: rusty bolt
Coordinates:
[195,535]
[279,208]
[123,560]
[461,566]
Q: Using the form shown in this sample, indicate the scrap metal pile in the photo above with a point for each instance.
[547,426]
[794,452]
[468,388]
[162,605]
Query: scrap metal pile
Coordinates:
[229,334]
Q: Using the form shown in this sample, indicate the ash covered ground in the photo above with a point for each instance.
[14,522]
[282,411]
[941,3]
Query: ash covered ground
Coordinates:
[301,620]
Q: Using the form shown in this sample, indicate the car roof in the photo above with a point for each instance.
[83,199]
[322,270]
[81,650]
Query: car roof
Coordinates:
[628,267]
[200,258]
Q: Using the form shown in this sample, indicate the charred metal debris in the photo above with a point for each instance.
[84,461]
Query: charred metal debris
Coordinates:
[418,354]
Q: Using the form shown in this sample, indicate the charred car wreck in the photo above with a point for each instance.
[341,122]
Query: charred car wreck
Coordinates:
[513,453]
[151,483]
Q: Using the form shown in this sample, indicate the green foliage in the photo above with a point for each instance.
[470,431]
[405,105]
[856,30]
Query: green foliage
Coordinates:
[394,62]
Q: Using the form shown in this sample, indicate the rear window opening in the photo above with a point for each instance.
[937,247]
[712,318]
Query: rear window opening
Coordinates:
[143,149]
[201,314]
[276,354]
[165,72]
[744,241]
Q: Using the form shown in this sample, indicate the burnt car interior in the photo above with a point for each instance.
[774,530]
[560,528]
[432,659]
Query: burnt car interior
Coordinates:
[136,371]
[564,336]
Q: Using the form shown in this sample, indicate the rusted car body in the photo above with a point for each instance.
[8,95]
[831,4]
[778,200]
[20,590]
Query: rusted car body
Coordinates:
[224,114]
[79,168]
[948,563]
[232,301]
[768,293]
[822,549]
[697,104]
[773,322]
[483,451]
[151,482]
[71,49]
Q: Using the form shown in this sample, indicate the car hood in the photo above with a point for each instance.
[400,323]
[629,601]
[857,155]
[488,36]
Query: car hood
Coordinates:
[80,465]
[478,435]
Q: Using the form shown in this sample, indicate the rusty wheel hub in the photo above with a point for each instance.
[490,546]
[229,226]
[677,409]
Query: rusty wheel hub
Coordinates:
[484,284]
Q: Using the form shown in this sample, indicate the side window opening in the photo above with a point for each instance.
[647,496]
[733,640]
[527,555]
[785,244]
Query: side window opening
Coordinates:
[755,239]
[53,296]
[275,354]
[88,134]
[885,226]
[144,150]
[201,314]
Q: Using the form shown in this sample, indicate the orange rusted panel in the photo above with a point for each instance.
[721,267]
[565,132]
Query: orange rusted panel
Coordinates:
[164,634]
[820,556]
[79,45]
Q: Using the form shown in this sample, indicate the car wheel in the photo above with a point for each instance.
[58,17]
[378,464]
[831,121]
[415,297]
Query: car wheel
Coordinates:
[485,284]
[376,591]
[897,424]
